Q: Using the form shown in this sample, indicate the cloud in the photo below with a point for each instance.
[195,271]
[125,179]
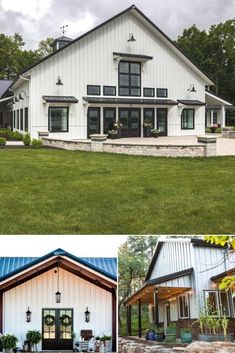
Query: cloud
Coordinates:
[39,19]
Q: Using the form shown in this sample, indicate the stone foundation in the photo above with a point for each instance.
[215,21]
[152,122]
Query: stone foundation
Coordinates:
[205,147]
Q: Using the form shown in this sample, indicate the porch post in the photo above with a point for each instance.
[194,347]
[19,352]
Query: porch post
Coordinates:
[1,312]
[223,116]
[141,122]
[139,319]
[212,113]
[128,321]
[156,307]
[114,319]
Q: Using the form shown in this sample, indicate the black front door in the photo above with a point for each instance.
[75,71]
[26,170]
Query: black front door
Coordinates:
[57,328]
[130,120]
[93,121]
[162,121]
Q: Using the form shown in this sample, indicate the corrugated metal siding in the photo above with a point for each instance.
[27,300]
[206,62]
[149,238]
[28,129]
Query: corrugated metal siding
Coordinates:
[40,292]
[173,257]
[11,264]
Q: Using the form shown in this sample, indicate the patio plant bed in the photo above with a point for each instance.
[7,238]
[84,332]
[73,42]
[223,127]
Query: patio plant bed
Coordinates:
[52,191]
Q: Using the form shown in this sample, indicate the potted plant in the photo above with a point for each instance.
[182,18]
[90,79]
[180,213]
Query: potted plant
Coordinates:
[33,337]
[147,128]
[170,335]
[160,334]
[107,342]
[8,343]
[150,333]
[113,134]
[118,126]
[186,335]
[155,132]
[213,128]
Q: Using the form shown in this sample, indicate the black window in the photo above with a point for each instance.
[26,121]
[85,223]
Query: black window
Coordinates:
[93,89]
[109,119]
[187,119]
[26,119]
[21,119]
[1,119]
[215,118]
[129,78]
[18,119]
[14,119]
[58,119]
[162,92]
[93,121]
[149,116]
[148,92]
[109,90]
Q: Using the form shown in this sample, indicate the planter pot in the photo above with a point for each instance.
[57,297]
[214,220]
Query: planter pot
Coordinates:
[159,337]
[152,336]
[155,135]
[210,337]
[113,136]
[107,345]
[186,337]
[213,129]
[170,337]
[147,131]
[7,350]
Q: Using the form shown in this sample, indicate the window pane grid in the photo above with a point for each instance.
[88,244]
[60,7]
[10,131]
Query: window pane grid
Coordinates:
[58,119]
[129,79]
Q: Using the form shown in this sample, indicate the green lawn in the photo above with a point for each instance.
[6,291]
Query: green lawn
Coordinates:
[56,192]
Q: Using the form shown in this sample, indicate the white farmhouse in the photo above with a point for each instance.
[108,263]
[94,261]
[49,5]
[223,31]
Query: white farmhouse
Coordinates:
[58,294]
[126,70]
[182,279]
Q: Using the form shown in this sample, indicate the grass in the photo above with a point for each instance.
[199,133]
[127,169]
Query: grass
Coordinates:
[64,192]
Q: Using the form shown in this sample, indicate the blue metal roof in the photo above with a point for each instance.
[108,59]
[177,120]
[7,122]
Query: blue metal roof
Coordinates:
[4,84]
[13,265]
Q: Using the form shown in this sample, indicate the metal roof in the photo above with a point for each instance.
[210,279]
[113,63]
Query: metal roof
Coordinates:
[129,101]
[4,84]
[60,99]
[190,102]
[12,265]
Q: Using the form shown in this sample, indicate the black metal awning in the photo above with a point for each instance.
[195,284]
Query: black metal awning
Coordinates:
[191,102]
[140,101]
[60,99]
[139,57]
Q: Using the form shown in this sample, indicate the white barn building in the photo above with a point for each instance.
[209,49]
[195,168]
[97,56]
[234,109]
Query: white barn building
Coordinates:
[183,277]
[34,291]
[127,70]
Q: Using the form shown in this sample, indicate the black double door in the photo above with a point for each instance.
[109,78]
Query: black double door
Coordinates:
[57,328]
[130,120]
[162,121]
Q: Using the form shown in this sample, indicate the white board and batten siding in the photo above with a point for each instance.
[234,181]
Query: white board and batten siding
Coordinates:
[39,293]
[90,62]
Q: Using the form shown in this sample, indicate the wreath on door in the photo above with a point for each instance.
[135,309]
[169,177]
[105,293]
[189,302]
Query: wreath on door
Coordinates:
[66,320]
[49,320]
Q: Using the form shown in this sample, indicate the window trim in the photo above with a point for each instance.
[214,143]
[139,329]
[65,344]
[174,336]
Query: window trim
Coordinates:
[98,109]
[144,90]
[188,128]
[21,119]
[49,127]
[129,74]
[160,89]
[178,303]
[218,300]
[92,94]
[26,126]
[105,94]
[18,120]
[105,109]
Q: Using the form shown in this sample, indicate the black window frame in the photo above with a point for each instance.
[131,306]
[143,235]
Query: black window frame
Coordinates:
[93,94]
[18,119]
[105,109]
[219,301]
[106,94]
[49,125]
[14,119]
[98,109]
[146,95]
[21,119]
[184,297]
[129,74]
[162,89]
[188,128]
[26,119]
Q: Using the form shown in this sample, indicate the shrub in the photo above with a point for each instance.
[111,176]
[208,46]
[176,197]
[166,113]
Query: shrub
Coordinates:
[8,341]
[27,139]
[36,143]
[16,136]
[2,141]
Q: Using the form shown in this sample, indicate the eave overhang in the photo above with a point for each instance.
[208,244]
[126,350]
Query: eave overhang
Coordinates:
[220,276]
[60,99]
[136,101]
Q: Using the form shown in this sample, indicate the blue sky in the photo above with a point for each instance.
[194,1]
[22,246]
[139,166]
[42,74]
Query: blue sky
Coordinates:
[38,19]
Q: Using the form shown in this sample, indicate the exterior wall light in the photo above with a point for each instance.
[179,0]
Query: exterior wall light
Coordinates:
[59,82]
[131,38]
[58,297]
[28,315]
[192,88]
[87,315]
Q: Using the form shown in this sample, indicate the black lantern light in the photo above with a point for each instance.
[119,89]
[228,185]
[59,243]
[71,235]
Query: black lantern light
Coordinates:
[87,315]
[192,88]
[59,82]
[58,297]
[58,294]
[131,38]
[28,315]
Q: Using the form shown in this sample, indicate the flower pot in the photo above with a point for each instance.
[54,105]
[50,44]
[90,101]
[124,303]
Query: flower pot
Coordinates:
[186,337]
[152,336]
[170,337]
[156,134]
[159,337]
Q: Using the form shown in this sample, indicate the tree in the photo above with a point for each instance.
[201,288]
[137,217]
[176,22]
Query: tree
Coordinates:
[133,261]
[228,242]
[214,52]
[44,47]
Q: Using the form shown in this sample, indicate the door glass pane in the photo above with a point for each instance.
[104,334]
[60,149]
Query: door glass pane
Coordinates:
[135,68]
[49,324]
[149,116]
[109,119]
[93,121]
[224,309]
[124,80]
[124,91]
[135,91]
[65,320]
